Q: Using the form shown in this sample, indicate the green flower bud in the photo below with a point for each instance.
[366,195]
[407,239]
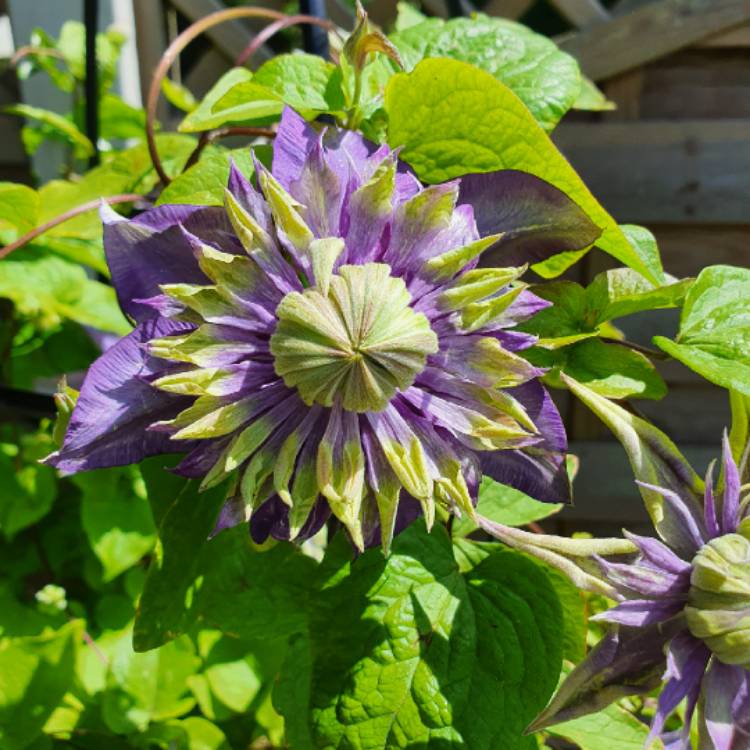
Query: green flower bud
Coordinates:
[51,599]
[719,601]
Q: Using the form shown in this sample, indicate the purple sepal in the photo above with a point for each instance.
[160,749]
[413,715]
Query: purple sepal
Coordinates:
[687,658]
[627,661]
[725,697]
[272,519]
[539,471]
[730,506]
[537,220]
[116,405]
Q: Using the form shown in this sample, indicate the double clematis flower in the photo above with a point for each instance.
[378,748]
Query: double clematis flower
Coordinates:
[327,342]
[683,615]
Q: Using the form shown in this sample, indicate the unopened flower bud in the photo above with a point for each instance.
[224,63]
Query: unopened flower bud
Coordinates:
[719,599]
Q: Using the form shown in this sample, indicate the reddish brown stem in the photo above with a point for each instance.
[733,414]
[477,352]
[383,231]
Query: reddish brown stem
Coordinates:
[29,49]
[209,136]
[77,211]
[171,54]
[274,28]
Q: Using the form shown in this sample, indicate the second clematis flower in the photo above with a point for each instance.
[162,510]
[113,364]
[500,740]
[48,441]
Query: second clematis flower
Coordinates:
[327,342]
[682,616]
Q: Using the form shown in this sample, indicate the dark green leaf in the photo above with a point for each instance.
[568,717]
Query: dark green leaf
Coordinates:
[612,370]
[172,578]
[408,652]
[28,492]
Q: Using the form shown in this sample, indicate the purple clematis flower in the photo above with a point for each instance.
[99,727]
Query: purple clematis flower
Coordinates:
[329,343]
[683,616]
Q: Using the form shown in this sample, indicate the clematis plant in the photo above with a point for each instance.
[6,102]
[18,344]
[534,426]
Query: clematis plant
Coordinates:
[682,616]
[327,342]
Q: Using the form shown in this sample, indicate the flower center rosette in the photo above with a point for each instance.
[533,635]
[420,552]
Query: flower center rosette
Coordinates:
[327,342]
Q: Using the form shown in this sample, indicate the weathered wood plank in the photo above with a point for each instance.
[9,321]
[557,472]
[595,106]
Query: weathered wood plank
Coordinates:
[651,32]
[697,84]
[581,13]
[665,171]
[231,37]
[512,9]
[605,490]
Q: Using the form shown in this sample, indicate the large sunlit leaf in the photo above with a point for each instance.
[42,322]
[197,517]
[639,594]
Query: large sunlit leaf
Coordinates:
[495,131]
[408,651]
[547,80]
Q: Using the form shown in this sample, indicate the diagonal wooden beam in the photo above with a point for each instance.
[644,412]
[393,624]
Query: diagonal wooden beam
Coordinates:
[651,32]
[229,38]
[581,13]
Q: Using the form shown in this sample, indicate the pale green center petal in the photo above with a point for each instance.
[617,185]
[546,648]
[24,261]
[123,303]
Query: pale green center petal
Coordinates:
[718,610]
[357,340]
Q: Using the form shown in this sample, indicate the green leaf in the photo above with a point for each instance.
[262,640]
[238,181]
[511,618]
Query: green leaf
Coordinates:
[566,321]
[613,727]
[204,183]
[28,492]
[51,289]
[172,577]
[574,611]
[714,335]
[211,114]
[35,673]
[142,688]
[408,15]
[591,98]
[544,78]
[118,119]
[409,652]
[116,518]
[19,207]
[250,593]
[621,292]
[56,125]
[72,44]
[612,370]
[128,171]
[304,82]
[178,95]
[504,504]
[495,131]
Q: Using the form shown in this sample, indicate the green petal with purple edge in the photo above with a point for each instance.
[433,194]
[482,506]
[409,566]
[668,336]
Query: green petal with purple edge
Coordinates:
[656,460]
[341,471]
[451,262]
[252,236]
[476,285]
[286,211]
